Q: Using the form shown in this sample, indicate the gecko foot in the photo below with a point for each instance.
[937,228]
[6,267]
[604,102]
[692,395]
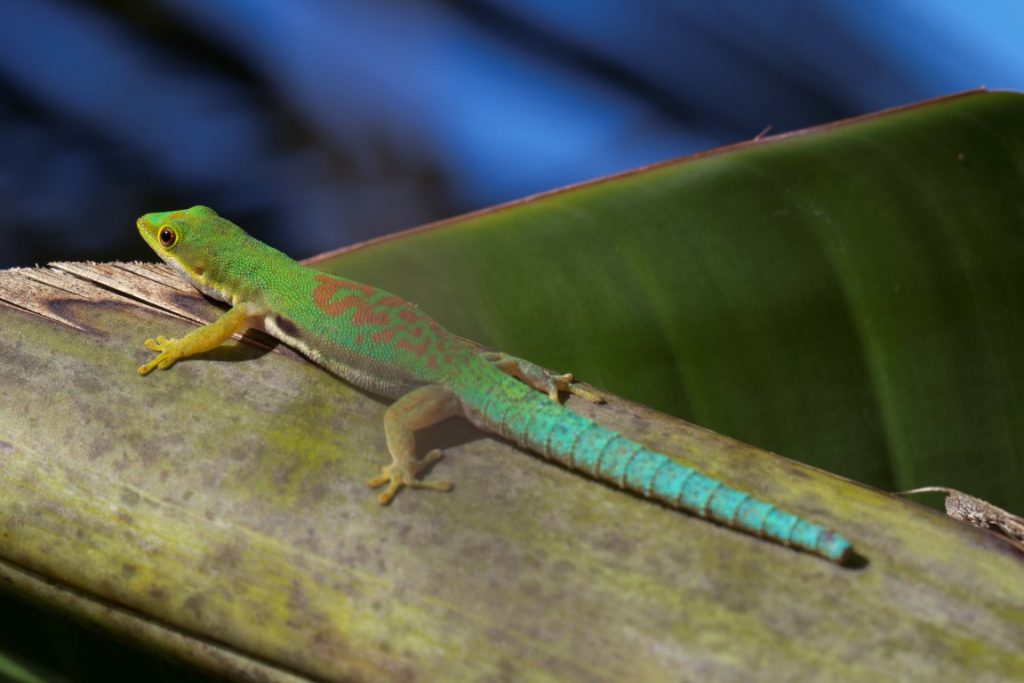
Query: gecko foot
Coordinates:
[540,378]
[399,474]
[569,385]
[169,353]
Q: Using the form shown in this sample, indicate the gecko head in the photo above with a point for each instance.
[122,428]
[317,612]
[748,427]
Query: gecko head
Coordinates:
[193,241]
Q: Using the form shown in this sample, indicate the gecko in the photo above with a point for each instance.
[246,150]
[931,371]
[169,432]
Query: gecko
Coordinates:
[385,345]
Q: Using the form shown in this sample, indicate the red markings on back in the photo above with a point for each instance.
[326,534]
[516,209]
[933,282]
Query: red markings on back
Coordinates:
[418,349]
[329,286]
[385,336]
[397,321]
[323,297]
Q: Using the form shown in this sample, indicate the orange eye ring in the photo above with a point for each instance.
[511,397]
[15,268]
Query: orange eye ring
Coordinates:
[168,237]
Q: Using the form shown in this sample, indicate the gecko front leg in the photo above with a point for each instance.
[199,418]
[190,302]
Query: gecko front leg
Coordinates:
[199,340]
[540,379]
[416,410]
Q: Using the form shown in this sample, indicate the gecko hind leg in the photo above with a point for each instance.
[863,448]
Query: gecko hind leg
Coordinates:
[416,410]
[541,379]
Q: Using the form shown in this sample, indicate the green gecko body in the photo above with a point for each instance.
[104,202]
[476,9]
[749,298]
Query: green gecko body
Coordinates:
[385,345]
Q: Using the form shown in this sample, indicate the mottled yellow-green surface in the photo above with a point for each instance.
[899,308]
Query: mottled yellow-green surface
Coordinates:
[226,500]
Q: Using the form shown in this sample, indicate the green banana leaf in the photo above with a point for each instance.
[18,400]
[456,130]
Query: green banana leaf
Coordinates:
[848,297]
[844,296]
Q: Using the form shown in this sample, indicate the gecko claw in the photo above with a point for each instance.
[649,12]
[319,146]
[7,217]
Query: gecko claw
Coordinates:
[396,475]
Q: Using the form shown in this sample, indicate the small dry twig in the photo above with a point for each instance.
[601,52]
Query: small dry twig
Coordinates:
[978,512]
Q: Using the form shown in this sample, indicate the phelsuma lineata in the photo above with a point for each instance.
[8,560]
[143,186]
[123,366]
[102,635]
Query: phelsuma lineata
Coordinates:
[385,345]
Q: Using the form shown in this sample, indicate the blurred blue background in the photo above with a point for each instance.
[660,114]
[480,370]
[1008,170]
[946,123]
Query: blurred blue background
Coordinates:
[318,123]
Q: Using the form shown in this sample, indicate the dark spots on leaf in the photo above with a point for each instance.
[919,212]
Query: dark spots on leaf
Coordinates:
[297,601]
[96,451]
[229,557]
[6,447]
[128,570]
[531,586]
[129,497]
[319,490]
[616,544]
[194,603]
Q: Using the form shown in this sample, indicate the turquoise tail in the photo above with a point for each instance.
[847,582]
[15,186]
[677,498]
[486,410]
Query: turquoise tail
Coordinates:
[534,422]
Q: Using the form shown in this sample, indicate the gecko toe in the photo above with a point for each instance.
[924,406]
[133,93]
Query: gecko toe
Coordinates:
[396,475]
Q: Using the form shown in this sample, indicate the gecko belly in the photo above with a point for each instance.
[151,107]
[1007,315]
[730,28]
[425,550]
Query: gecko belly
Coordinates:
[369,374]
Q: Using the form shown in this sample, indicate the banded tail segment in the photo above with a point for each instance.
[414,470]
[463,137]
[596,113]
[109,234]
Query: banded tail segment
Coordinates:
[535,422]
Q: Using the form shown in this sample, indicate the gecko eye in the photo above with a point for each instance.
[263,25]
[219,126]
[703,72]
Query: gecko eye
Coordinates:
[168,237]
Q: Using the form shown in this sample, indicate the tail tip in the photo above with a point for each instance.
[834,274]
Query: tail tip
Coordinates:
[835,547]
